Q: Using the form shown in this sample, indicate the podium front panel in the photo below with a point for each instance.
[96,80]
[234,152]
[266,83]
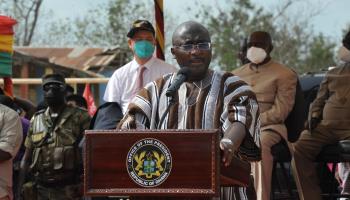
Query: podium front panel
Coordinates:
[151,163]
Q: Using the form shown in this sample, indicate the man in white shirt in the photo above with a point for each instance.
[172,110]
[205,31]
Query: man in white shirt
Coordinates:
[10,142]
[144,68]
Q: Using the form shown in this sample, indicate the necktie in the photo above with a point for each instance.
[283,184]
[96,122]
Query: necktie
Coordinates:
[139,80]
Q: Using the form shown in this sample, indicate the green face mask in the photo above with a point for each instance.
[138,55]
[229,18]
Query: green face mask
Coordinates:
[143,49]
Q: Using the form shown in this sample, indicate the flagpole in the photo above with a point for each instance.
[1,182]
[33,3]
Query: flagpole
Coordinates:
[158,6]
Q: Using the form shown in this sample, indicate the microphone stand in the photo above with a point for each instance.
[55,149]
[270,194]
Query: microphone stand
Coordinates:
[171,103]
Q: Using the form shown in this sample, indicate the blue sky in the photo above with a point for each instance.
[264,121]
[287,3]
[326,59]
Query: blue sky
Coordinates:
[332,18]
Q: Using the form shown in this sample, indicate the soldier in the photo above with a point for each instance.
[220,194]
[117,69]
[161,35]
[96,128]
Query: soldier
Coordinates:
[52,154]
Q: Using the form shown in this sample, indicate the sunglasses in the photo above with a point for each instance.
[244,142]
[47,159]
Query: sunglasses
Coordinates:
[53,86]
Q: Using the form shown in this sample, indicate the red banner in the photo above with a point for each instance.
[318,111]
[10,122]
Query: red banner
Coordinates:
[8,86]
[90,100]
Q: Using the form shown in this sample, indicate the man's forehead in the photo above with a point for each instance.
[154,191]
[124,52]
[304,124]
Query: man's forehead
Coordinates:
[192,37]
[190,32]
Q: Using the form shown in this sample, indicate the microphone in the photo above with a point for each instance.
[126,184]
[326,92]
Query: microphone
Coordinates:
[180,78]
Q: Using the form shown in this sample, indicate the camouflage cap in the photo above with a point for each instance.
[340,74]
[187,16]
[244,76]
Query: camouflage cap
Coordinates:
[53,78]
[139,25]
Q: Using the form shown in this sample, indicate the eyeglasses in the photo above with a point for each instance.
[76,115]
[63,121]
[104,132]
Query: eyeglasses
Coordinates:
[200,46]
[47,87]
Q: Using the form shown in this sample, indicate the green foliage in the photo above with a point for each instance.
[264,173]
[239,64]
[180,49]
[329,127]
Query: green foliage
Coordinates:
[121,13]
[320,55]
[294,43]
[106,25]
[230,26]
[27,13]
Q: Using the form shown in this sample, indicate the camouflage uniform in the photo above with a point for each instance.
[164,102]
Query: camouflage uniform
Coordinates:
[56,162]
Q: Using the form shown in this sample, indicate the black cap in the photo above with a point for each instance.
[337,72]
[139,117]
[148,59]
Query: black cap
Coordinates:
[346,41]
[139,25]
[53,78]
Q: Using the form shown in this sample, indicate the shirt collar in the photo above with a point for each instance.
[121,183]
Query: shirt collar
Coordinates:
[257,67]
[148,64]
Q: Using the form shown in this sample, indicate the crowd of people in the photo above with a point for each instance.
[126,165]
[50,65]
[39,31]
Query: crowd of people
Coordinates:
[41,158]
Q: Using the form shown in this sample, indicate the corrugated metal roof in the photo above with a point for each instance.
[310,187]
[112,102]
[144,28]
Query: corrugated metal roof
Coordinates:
[81,58]
[20,58]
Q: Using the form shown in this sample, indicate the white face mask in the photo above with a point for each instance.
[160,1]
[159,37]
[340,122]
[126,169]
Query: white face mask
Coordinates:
[344,54]
[256,55]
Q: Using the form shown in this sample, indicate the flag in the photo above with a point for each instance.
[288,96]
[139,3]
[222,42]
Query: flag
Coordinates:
[90,100]
[5,64]
[6,33]
[6,49]
[6,25]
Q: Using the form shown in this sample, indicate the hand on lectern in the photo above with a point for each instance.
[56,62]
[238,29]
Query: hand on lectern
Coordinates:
[226,145]
[231,141]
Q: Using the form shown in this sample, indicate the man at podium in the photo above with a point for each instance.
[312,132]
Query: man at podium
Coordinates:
[197,97]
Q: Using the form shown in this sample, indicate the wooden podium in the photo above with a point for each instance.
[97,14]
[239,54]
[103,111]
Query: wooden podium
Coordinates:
[155,163]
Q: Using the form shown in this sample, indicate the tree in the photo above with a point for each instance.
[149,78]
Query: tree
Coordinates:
[120,18]
[229,26]
[26,12]
[106,25]
[320,54]
[292,36]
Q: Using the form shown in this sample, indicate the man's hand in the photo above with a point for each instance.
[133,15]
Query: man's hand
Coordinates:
[227,147]
[231,141]
[312,123]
